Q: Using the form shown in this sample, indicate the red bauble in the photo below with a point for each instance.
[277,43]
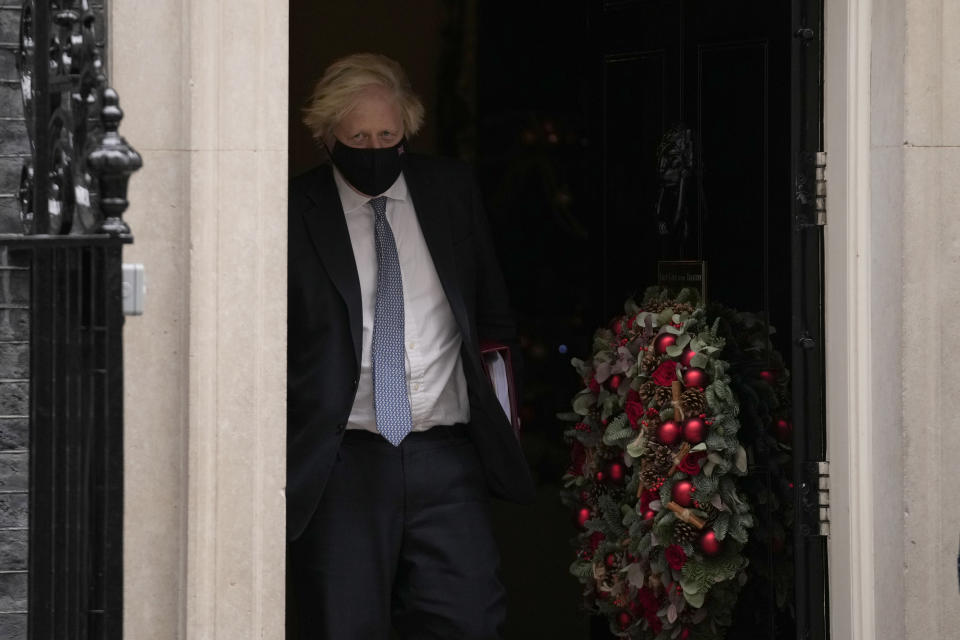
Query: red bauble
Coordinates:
[582,516]
[584,496]
[684,635]
[783,431]
[768,376]
[614,382]
[624,619]
[616,472]
[695,377]
[600,476]
[682,493]
[687,356]
[694,430]
[663,341]
[650,515]
[610,560]
[709,544]
[669,433]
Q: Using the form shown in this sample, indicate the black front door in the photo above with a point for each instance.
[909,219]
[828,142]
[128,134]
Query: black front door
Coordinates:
[738,85]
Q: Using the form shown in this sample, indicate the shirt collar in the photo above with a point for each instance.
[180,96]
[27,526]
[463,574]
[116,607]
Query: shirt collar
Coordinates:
[351,200]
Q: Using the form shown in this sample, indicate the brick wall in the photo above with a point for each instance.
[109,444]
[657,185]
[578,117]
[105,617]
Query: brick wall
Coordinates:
[14,441]
[14,343]
[14,143]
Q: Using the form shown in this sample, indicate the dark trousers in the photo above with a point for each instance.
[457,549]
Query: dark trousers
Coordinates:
[401,538]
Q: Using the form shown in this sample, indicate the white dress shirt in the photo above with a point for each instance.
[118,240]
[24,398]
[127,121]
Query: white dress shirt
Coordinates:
[436,384]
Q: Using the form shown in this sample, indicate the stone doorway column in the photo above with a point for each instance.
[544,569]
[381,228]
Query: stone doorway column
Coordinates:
[204,88]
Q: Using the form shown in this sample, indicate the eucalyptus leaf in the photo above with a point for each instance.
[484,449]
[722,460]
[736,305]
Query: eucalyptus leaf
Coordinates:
[602,372]
[672,613]
[699,360]
[638,447]
[674,350]
[689,586]
[694,599]
[741,460]
[715,457]
[583,403]
[635,575]
[580,366]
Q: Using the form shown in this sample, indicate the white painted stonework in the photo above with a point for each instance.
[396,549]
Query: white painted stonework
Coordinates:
[892,268]
[204,88]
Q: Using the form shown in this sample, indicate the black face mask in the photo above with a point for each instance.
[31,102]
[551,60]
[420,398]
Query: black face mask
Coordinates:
[370,171]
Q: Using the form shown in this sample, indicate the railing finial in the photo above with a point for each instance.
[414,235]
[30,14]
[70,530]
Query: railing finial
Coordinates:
[112,161]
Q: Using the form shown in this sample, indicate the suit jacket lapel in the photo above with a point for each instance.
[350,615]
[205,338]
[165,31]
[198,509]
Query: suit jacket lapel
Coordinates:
[434,222]
[328,231]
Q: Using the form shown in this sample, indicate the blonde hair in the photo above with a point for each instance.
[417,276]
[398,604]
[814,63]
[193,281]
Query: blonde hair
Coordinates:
[335,93]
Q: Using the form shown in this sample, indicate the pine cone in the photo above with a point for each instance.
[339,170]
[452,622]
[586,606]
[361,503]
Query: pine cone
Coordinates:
[648,392]
[663,456]
[596,491]
[650,360]
[650,476]
[684,533]
[663,395]
[693,402]
[658,460]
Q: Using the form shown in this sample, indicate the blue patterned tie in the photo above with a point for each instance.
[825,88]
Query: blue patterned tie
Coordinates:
[390,401]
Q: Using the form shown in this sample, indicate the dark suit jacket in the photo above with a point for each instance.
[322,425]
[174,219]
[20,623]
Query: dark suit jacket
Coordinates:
[324,324]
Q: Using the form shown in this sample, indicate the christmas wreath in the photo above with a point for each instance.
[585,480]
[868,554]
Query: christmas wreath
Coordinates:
[658,476]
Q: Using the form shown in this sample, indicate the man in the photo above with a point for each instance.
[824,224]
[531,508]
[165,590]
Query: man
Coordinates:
[395,437]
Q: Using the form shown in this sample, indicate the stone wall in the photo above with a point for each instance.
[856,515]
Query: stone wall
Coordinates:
[204,89]
[931,317]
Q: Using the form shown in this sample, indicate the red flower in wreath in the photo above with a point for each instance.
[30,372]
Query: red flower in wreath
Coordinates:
[648,496]
[690,465]
[595,539]
[676,557]
[646,601]
[647,604]
[634,408]
[655,625]
[666,373]
[578,455]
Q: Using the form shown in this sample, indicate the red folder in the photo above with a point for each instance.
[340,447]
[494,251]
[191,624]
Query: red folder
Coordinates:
[498,366]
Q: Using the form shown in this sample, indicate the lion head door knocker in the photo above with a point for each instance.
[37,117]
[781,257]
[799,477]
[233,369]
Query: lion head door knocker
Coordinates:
[675,168]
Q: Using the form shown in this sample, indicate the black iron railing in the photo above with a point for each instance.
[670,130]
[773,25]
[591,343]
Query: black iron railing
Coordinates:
[64,307]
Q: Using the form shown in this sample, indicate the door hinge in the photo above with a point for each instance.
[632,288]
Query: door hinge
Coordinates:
[814,497]
[811,189]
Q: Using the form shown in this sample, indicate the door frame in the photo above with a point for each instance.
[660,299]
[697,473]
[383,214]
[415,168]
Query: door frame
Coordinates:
[852,285]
